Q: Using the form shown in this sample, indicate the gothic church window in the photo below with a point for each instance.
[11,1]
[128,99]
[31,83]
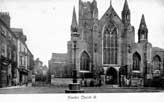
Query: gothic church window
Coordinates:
[110,44]
[84,61]
[156,62]
[136,61]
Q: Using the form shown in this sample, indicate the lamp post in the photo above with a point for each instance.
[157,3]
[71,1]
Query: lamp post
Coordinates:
[74,87]
[74,68]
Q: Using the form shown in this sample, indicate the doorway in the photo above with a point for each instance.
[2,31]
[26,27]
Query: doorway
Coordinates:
[111,76]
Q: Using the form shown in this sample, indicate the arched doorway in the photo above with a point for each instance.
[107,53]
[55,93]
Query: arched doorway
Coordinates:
[136,61]
[85,65]
[136,77]
[156,62]
[84,61]
[111,76]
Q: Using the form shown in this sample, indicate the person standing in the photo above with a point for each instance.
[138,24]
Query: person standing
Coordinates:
[26,83]
[128,82]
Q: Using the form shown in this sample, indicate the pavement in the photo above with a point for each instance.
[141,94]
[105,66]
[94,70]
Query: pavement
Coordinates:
[17,86]
[53,90]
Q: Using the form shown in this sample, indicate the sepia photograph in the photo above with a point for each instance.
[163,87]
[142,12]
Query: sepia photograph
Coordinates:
[82,50]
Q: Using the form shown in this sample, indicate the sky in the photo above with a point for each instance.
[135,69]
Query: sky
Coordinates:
[46,23]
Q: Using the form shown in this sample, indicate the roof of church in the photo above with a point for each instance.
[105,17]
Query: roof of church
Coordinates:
[110,12]
[158,49]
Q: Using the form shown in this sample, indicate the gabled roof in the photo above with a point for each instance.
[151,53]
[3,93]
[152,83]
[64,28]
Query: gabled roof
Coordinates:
[157,49]
[110,12]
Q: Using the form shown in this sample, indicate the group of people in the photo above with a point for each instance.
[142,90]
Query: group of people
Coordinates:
[124,81]
[90,83]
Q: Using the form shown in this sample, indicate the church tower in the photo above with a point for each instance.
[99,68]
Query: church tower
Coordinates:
[142,31]
[88,24]
[126,14]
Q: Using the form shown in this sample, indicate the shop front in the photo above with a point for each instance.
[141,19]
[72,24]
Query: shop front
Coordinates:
[3,75]
[3,72]
[23,76]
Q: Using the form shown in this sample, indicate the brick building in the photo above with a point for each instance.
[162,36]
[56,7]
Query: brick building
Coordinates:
[58,65]
[37,66]
[8,50]
[10,53]
[40,70]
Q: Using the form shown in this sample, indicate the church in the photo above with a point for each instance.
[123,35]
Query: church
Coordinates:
[108,45]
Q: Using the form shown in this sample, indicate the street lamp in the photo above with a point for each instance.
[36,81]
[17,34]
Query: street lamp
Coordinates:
[75,86]
[74,66]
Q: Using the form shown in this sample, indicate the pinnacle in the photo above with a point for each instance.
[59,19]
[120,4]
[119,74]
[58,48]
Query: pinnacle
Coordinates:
[126,7]
[110,3]
[74,20]
[143,21]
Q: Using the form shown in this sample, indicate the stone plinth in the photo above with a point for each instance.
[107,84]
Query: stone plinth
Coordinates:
[74,88]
